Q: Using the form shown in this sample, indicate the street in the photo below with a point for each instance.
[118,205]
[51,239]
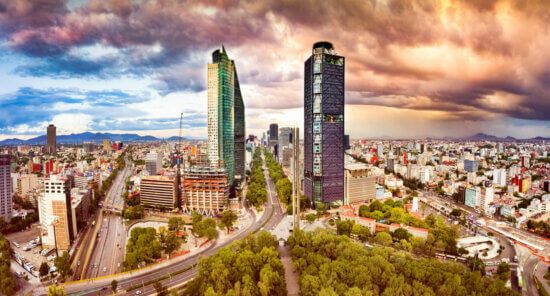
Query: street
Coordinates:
[106,255]
[174,271]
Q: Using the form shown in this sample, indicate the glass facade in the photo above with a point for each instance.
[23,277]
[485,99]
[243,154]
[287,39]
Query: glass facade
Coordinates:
[324,125]
[239,127]
[225,116]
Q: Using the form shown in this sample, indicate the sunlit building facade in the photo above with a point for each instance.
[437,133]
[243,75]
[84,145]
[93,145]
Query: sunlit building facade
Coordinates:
[225,116]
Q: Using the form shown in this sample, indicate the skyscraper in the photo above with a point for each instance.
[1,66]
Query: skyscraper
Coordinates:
[6,187]
[240,132]
[51,141]
[324,125]
[225,116]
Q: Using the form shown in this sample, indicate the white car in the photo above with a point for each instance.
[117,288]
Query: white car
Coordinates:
[138,292]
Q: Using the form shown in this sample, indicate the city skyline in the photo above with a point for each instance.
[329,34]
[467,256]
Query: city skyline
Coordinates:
[450,68]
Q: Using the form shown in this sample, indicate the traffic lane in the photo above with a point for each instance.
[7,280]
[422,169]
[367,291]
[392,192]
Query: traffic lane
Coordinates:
[156,273]
[528,271]
[95,259]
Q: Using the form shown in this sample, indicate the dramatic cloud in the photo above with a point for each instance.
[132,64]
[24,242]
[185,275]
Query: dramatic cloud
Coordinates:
[481,62]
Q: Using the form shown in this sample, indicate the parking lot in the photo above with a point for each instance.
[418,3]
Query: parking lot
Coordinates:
[20,245]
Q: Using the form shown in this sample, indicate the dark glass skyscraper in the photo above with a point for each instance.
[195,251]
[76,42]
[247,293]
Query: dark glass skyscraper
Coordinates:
[324,125]
[239,128]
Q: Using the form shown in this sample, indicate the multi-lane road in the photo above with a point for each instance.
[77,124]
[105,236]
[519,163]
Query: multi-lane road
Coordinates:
[102,248]
[178,272]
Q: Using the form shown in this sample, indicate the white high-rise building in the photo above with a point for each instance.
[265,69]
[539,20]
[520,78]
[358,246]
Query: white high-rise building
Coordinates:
[55,214]
[487,198]
[6,187]
[499,177]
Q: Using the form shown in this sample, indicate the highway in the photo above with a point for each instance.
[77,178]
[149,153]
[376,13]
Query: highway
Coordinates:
[174,272]
[105,255]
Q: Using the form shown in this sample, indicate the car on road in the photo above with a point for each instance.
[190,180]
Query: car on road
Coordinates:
[104,269]
[138,292]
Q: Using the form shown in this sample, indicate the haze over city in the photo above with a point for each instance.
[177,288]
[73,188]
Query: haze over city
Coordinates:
[438,68]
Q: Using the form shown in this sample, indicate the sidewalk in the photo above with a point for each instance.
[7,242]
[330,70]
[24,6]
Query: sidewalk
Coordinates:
[291,276]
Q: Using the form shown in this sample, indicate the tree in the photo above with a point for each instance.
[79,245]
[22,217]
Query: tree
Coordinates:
[143,247]
[54,290]
[175,224]
[171,243]
[161,290]
[133,212]
[344,227]
[360,231]
[311,218]
[228,218]
[250,266]
[63,265]
[114,285]
[44,269]
[383,238]
[456,212]
[400,234]
[204,228]
[503,271]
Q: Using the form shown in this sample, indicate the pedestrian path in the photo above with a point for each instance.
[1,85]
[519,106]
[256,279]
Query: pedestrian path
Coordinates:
[291,276]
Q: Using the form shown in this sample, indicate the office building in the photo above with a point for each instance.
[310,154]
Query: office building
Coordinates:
[6,189]
[153,162]
[273,134]
[285,137]
[487,198]
[499,177]
[51,139]
[81,200]
[158,192]
[106,146]
[239,129]
[54,206]
[471,166]
[206,190]
[324,125]
[225,116]
[472,197]
[360,185]
[25,184]
[88,147]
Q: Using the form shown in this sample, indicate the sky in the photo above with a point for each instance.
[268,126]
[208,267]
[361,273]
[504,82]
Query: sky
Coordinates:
[413,68]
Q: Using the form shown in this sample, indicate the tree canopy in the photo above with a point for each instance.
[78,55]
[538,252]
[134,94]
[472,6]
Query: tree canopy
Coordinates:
[256,193]
[246,267]
[335,265]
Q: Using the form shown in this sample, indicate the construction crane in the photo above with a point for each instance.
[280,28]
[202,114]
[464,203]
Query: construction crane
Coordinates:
[179,159]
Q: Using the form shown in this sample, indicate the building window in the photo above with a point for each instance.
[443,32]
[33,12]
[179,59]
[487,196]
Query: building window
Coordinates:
[316,148]
[331,118]
[316,127]
[317,103]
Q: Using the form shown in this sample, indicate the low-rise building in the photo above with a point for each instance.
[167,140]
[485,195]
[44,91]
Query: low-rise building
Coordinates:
[158,192]
[359,184]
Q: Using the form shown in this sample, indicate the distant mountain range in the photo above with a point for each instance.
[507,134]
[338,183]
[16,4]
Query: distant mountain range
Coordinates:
[99,137]
[88,137]
[486,137]
[476,137]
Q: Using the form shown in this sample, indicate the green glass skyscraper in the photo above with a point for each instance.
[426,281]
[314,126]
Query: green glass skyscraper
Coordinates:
[225,116]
